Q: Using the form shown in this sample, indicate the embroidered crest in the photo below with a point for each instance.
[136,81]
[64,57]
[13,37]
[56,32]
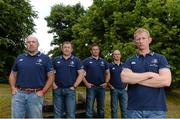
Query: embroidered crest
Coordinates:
[39,61]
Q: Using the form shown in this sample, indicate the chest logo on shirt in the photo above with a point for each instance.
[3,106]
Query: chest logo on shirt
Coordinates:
[39,62]
[71,64]
[58,62]
[102,63]
[20,60]
[154,63]
[90,62]
[133,62]
[113,68]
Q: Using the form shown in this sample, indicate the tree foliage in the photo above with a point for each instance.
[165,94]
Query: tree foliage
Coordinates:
[16,23]
[61,20]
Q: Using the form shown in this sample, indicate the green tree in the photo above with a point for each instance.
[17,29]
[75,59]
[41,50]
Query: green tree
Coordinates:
[16,23]
[61,20]
[111,24]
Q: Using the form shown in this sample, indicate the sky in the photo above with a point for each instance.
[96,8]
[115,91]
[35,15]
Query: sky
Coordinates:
[43,7]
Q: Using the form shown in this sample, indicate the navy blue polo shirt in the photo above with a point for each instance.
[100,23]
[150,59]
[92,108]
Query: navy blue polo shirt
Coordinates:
[143,97]
[66,70]
[32,70]
[95,70]
[115,71]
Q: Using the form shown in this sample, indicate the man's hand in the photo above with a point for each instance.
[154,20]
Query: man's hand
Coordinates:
[110,86]
[13,90]
[55,86]
[40,93]
[89,85]
[104,85]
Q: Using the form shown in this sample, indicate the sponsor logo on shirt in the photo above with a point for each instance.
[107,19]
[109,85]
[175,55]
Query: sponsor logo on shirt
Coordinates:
[71,64]
[102,63]
[39,62]
[154,63]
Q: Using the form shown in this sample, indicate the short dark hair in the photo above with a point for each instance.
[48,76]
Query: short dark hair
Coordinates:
[66,42]
[94,45]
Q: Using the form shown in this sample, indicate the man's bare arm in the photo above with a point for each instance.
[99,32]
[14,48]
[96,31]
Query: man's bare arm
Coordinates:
[163,79]
[107,78]
[129,77]
[79,78]
[12,81]
[48,84]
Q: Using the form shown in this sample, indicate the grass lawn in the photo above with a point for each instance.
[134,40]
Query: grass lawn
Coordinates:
[173,102]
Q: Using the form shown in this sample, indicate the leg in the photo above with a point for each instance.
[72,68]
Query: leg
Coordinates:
[90,98]
[58,102]
[114,103]
[123,103]
[100,102]
[70,102]
[18,108]
[34,105]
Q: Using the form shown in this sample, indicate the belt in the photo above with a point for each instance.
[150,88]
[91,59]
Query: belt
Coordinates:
[30,90]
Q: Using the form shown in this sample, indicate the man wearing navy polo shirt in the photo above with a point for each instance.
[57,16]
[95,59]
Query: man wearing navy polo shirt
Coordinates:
[96,77]
[68,75]
[31,76]
[147,73]
[118,91]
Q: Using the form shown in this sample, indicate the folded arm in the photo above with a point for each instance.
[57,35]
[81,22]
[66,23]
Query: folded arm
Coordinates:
[129,77]
[163,79]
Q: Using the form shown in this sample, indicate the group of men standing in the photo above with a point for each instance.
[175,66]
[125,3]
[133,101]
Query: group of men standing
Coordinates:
[145,74]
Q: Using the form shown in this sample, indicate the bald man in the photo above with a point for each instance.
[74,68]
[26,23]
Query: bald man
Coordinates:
[30,78]
[118,92]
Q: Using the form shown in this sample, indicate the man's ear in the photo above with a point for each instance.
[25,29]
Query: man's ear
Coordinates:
[150,40]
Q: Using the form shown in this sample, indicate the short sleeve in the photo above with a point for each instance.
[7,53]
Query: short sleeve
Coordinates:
[79,64]
[106,65]
[84,63]
[49,65]
[163,63]
[127,64]
[14,67]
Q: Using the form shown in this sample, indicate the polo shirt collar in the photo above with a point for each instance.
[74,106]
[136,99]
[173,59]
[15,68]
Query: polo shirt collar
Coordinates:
[116,64]
[71,57]
[150,54]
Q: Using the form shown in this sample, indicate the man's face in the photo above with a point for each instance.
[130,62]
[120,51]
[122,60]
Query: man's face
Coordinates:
[32,44]
[142,41]
[67,49]
[95,51]
[116,55]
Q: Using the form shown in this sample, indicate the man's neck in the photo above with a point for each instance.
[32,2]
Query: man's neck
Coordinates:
[33,53]
[96,57]
[117,62]
[143,52]
[66,56]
